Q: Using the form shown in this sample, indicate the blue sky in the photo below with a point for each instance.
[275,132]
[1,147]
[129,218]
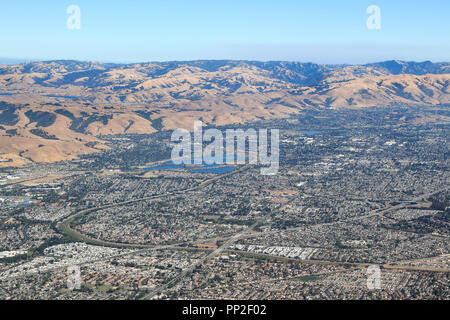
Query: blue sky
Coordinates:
[323,31]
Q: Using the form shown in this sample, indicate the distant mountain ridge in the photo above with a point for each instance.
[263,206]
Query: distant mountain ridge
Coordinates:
[56,110]
[417,68]
[295,72]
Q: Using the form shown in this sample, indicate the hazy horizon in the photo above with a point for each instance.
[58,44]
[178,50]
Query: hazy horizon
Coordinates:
[13,61]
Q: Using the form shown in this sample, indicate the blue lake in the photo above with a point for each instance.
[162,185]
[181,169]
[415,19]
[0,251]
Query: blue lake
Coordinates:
[216,170]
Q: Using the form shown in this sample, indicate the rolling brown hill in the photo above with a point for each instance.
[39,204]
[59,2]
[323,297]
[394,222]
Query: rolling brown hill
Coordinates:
[52,111]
